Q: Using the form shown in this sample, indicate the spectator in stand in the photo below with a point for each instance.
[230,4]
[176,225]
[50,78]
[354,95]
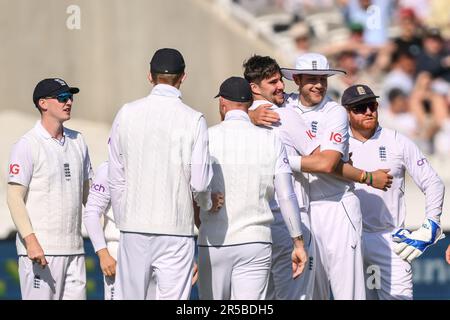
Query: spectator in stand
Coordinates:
[401,75]
[409,39]
[421,9]
[347,60]
[429,108]
[374,15]
[355,42]
[301,34]
[397,115]
[434,58]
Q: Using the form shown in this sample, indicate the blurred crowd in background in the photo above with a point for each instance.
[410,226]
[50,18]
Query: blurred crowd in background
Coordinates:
[400,48]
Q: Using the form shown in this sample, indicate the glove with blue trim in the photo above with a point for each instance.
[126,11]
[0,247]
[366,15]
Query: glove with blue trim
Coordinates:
[410,245]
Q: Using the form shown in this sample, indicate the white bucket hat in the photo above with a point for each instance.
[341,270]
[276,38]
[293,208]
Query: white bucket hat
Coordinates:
[310,63]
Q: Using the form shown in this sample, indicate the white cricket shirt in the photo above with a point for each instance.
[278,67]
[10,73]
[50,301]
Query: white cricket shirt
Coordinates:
[388,149]
[54,172]
[327,125]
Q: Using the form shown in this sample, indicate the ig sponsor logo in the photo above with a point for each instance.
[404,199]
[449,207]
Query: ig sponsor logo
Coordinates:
[14,169]
[336,137]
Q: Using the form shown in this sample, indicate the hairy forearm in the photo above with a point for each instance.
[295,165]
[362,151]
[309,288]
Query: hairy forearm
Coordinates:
[346,171]
[318,163]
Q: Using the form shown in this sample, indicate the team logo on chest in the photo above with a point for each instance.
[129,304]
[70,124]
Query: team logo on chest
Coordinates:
[67,171]
[313,131]
[382,153]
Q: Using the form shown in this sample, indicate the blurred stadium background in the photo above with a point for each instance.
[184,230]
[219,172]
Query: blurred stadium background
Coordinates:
[400,48]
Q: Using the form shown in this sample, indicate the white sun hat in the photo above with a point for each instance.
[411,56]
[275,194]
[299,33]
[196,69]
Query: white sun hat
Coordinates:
[310,63]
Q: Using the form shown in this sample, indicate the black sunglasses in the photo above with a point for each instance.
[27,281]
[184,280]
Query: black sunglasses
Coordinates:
[362,107]
[63,97]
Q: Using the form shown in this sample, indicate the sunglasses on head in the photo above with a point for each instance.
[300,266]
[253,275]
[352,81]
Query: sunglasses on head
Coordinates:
[63,97]
[362,107]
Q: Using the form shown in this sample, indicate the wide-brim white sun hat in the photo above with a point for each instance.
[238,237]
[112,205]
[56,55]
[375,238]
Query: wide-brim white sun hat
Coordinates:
[310,63]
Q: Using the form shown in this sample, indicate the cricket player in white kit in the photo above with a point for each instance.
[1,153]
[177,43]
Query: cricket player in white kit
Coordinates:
[264,76]
[248,163]
[336,220]
[48,183]
[105,239]
[158,156]
[388,249]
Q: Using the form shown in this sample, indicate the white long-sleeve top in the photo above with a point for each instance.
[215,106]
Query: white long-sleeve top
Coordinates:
[98,206]
[161,132]
[388,149]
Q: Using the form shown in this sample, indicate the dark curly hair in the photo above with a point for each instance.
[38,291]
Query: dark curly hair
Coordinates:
[258,68]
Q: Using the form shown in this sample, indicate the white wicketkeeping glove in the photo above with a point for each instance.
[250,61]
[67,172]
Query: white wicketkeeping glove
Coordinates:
[410,245]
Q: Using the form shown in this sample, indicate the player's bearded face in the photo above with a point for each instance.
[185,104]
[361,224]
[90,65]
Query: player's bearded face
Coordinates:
[312,88]
[364,119]
[271,89]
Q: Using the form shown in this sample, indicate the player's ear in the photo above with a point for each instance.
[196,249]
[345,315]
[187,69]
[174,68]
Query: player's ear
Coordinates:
[183,78]
[255,88]
[43,104]
[222,109]
[150,78]
[297,79]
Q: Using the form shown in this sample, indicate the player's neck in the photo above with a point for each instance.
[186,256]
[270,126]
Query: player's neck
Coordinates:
[306,103]
[54,127]
[258,97]
[363,134]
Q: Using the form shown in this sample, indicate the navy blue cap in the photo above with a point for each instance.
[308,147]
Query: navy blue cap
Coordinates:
[235,89]
[357,93]
[167,61]
[52,87]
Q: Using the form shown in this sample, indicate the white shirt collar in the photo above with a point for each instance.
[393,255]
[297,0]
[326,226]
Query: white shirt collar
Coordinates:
[166,91]
[46,135]
[237,115]
[304,109]
[257,103]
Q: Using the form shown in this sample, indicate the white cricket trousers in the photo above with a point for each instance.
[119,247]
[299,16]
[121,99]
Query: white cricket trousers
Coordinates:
[337,228]
[144,258]
[388,277]
[113,247]
[281,284]
[64,278]
[237,272]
